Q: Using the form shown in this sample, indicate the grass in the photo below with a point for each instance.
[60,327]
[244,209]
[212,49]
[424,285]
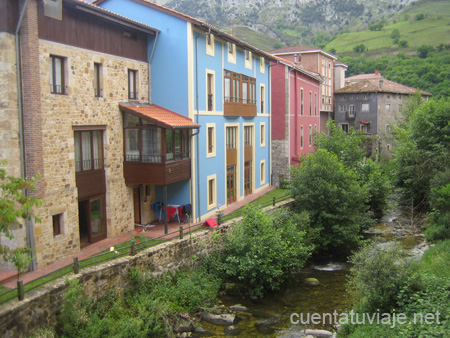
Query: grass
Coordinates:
[432,30]
[259,40]
[436,260]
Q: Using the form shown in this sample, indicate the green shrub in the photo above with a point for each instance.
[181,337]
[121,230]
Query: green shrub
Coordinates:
[377,276]
[263,249]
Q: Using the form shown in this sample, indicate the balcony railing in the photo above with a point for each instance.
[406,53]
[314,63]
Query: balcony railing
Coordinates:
[157,158]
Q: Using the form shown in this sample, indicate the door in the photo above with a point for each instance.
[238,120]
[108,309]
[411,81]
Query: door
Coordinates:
[231,184]
[137,205]
[92,220]
[248,178]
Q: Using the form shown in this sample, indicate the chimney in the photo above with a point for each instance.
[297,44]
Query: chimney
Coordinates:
[295,58]
[381,83]
[376,72]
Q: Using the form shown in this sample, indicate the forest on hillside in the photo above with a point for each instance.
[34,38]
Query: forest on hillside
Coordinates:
[428,69]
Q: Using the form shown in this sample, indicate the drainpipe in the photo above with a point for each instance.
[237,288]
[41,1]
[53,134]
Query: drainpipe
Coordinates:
[150,58]
[28,222]
[197,121]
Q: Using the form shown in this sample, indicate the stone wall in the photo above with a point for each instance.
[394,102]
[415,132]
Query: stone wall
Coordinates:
[80,107]
[39,309]
[280,161]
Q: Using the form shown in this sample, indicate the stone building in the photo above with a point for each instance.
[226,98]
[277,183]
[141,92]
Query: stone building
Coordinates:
[77,62]
[372,104]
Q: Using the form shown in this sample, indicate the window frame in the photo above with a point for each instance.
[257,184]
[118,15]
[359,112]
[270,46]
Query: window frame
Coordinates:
[92,160]
[262,65]
[262,134]
[211,191]
[98,79]
[210,91]
[231,52]
[351,111]
[132,80]
[262,172]
[210,44]
[58,224]
[54,71]
[248,59]
[262,99]
[210,140]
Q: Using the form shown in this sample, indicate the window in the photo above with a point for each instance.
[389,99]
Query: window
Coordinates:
[210,44]
[301,102]
[310,104]
[248,136]
[344,127]
[210,91]
[211,140]
[263,99]
[231,137]
[262,65]
[88,150]
[132,84]
[231,47]
[301,137]
[57,221]
[365,97]
[263,172]
[248,59]
[98,91]
[211,194]
[388,108]
[351,110]
[310,135]
[262,142]
[315,104]
[364,128]
[365,107]
[342,108]
[239,88]
[57,76]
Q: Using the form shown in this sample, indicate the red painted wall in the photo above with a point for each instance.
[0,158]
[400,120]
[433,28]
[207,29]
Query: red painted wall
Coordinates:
[278,88]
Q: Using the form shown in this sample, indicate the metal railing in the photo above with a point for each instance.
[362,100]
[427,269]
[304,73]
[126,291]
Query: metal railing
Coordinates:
[136,244]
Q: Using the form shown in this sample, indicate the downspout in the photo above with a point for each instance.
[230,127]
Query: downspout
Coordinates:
[197,121]
[29,224]
[150,58]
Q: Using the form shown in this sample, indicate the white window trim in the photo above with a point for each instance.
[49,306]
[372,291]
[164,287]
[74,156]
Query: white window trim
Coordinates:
[262,65]
[249,60]
[262,88]
[231,57]
[262,174]
[213,73]
[208,179]
[262,140]
[210,47]
[213,153]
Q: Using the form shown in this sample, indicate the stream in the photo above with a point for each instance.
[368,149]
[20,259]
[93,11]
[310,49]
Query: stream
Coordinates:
[271,316]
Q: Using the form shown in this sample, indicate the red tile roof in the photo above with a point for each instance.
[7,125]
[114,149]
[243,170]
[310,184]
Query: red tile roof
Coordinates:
[300,49]
[363,77]
[378,85]
[299,68]
[158,115]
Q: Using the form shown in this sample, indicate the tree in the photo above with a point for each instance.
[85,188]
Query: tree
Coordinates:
[424,50]
[395,33]
[330,193]
[263,249]
[360,48]
[403,43]
[422,149]
[15,205]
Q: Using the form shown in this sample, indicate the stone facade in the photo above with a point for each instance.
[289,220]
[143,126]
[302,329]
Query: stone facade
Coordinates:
[80,107]
[280,161]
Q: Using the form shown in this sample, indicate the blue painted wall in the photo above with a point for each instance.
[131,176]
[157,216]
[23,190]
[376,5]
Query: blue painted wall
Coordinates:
[169,63]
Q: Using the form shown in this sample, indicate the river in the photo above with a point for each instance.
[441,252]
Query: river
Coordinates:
[271,316]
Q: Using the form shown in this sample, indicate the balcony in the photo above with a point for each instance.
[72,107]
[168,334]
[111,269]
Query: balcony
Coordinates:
[235,107]
[156,145]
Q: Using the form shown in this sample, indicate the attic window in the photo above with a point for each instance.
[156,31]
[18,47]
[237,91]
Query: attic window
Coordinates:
[130,35]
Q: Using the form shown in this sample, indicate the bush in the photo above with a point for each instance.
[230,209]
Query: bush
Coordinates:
[377,276]
[403,43]
[438,227]
[330,193]
[263,249]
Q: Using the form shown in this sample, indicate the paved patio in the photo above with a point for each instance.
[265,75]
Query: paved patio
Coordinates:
[154,230]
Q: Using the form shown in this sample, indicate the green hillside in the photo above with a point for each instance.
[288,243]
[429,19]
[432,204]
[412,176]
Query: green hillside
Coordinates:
[254,38]
[425,22]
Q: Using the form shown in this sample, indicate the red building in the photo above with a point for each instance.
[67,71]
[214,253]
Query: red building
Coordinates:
[295,115]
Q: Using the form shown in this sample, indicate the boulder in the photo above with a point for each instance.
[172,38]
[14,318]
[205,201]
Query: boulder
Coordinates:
[220,319]
[238,307]
[311,281]
[319,333]
[232,331]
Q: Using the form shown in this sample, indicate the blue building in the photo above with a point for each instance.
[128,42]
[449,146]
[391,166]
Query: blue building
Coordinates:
[221,152]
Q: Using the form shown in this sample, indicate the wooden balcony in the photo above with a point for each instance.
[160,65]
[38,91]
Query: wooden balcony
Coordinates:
[239,109]
[160,173]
